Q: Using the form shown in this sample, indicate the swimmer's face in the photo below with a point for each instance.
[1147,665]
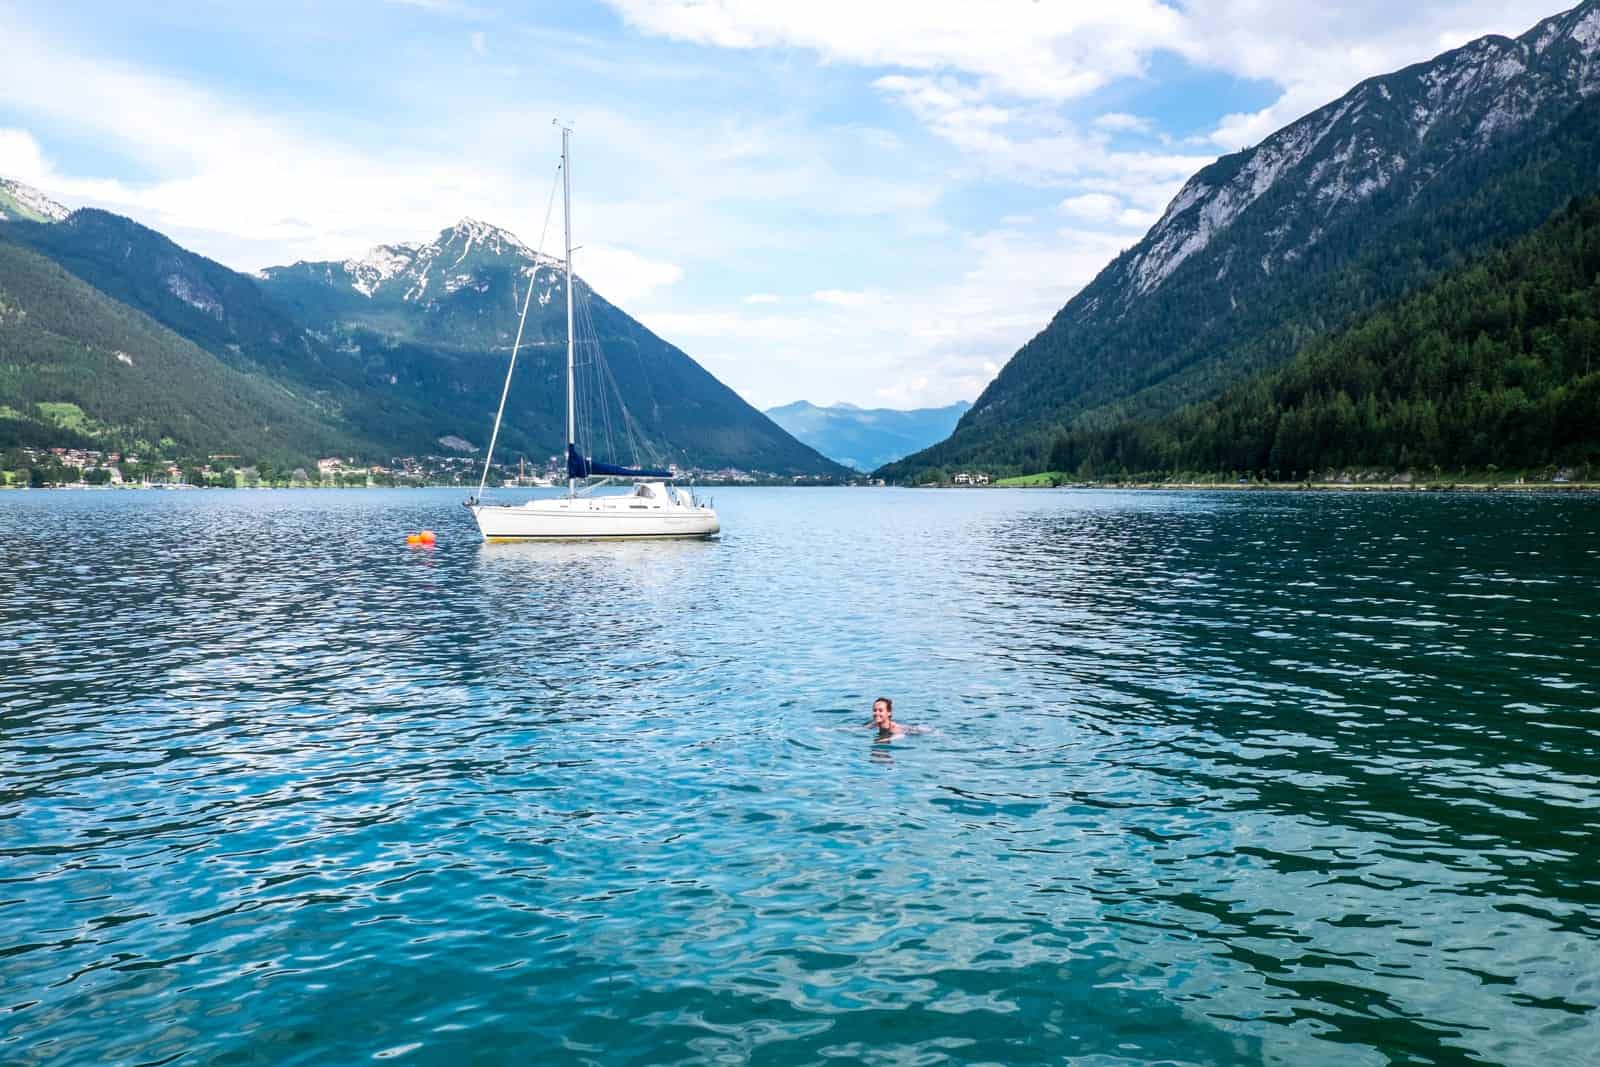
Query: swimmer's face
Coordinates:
[881,716]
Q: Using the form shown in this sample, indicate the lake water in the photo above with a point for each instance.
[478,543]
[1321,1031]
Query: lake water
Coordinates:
[1211,779]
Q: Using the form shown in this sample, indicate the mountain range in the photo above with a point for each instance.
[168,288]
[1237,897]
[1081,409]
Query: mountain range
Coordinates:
[1268,249]
[867,438]
[111,333]
[402,352]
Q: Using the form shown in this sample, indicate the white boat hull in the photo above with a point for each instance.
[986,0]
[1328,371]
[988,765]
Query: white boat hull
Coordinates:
[654,516]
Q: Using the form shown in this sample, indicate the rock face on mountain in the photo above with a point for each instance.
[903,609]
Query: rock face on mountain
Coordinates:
[867,438]
[1393,134]
[1264,249]
[24,202]
[442,317]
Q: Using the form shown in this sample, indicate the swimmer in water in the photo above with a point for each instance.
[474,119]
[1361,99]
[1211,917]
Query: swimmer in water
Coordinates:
[883,719]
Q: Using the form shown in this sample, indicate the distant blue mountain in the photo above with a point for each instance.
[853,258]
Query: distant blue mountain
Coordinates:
[867,438]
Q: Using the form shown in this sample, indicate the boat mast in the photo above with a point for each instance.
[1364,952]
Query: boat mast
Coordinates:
[522,322]
[566,212]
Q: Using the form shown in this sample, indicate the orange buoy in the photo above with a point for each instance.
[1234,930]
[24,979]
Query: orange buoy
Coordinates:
[413,539]
[427,537]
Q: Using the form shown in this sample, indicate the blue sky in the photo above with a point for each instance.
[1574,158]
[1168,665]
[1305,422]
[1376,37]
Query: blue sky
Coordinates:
[831,201]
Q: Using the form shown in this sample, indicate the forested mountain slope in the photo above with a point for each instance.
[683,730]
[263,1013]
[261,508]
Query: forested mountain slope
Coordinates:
[230,315]
[1496,363]
[1269,248]
[79,368]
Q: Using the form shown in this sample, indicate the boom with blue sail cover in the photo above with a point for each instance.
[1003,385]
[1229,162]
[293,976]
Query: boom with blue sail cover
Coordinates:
[581,466]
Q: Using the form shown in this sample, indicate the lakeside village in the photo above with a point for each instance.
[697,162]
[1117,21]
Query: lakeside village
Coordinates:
[84,468]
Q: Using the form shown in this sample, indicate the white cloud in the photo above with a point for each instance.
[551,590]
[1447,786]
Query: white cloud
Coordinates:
[761,298]
[235,184]
[1053,51]
[846,298]
[1107,210]
[441,7]
[1031,144]
[882,140]
[1094,207]
[905,393]
[957,111]
[623,276]
[971,63]
[21,159]
[1121,122]
[479,43]
[991,82]
[931,345]
[1002,85]
[252,190]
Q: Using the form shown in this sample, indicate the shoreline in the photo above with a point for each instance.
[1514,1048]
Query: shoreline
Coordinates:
[1318,487]
[1176,487]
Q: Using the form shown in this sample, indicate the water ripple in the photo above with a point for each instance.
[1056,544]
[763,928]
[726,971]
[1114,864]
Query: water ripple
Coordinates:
[1209,780]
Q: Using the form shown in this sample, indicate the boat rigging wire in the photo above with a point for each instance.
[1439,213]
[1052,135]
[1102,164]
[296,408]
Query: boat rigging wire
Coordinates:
[533,279]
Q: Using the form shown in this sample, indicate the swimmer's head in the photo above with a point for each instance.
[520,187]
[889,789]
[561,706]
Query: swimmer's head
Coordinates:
[882,712]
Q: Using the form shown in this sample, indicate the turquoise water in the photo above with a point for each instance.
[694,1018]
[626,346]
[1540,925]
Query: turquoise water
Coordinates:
[1210,779]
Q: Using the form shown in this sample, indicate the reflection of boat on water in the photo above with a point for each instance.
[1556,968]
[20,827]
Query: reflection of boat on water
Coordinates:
[639,564]
[654,509]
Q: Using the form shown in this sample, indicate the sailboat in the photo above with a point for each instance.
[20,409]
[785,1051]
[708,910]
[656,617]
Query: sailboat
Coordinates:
[655,508]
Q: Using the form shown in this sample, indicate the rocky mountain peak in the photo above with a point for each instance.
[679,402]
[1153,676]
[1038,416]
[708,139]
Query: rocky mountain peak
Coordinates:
[491,238]
[453,260]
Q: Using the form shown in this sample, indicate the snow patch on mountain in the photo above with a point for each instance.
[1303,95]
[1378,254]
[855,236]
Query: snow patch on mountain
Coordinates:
[419,287]
[380,264]
[457,251]
[493,238]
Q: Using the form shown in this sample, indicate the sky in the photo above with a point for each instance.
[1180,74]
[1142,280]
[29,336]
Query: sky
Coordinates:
[864,202]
